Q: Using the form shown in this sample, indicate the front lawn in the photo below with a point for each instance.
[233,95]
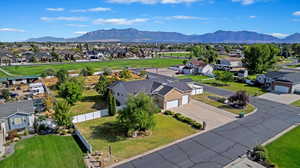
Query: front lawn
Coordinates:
[46,152]
[103,132]
[296,103]
[114,64]
[285,151]
[233,86]
[215,100]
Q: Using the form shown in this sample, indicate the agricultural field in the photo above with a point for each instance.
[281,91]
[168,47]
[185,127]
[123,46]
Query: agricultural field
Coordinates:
[115,64]
[45,152]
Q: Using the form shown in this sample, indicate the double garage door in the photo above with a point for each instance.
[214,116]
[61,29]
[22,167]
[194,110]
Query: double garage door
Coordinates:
[175,103]
[281,89]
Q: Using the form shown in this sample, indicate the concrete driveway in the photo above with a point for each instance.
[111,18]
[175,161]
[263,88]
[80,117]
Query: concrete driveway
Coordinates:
[163,71]
[281,98]
[200,112]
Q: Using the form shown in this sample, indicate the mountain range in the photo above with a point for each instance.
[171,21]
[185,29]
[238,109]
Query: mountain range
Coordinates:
[134,35]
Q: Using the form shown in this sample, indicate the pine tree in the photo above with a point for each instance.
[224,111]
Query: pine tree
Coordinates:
[111,104]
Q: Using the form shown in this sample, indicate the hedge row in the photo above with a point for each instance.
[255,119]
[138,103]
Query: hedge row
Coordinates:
[184,119]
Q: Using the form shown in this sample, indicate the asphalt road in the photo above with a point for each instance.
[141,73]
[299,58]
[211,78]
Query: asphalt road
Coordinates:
[219,147]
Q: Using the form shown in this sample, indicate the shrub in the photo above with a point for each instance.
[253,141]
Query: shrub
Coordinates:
[168,112]
[259,148]
[12,134]
[177,115]
[197,125]
[260,156]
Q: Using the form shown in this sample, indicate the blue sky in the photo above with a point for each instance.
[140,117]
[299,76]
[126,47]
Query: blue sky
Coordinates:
[20,19]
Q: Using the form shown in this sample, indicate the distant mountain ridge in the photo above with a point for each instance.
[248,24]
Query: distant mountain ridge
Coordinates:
[134,35]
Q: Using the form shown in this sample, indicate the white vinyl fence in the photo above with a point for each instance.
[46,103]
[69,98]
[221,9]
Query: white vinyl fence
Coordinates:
[93,115]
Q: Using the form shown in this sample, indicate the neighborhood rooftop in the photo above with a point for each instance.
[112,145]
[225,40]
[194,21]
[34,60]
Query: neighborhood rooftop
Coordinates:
[16,107]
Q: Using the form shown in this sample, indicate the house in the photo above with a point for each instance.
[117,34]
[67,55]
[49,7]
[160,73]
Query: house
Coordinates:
[166,95]
[36,88]
[281,82]
[17,115]
[198,67]
[231,62]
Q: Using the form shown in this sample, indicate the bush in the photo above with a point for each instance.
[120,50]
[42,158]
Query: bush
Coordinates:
[12,134]
[196,125]
[177,115]
[168,112]
[259,148]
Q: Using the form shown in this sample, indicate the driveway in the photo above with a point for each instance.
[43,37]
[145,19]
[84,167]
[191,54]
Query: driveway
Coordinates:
[163,71]
[281,98]
[200,112]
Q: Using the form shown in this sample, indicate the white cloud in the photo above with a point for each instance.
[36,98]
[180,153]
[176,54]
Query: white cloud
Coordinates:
[63,19]
[153,1]
[297,13]
[119,21]
[182,17]
[55,9]
[252,17]
[80,33]
[11,30]
[279,35]
[245,2]
[77,25]
[99,9]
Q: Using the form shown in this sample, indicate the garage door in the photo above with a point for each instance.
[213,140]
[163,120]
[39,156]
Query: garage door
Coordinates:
[185,99]
[172,104]
[282,89]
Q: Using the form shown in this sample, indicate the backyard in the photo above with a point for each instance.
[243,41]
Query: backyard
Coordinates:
[46,152]
[114,64]
[215,100]
[285,151]
[104,132]
[233,86]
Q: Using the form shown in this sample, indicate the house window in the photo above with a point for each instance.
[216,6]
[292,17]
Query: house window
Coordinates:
[17,121]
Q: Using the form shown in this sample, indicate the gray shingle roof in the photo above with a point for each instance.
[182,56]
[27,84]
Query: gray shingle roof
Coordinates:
[12,108]
[285,76]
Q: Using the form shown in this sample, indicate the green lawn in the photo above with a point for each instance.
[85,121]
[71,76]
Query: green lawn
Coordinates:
[233,86]
[285,151]
[212,100]
[90,102]
[296,103]
[115,64]
[176,54]
[102,132]
[46,152]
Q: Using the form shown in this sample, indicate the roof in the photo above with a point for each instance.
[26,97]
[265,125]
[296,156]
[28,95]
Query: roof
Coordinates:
[198,63]
[152,86]
[8,109]
[285,76]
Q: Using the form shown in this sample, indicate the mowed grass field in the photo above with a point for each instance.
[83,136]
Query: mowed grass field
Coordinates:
[102,133]
[176,54]
[285,151]
[46,152]
[114,64]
